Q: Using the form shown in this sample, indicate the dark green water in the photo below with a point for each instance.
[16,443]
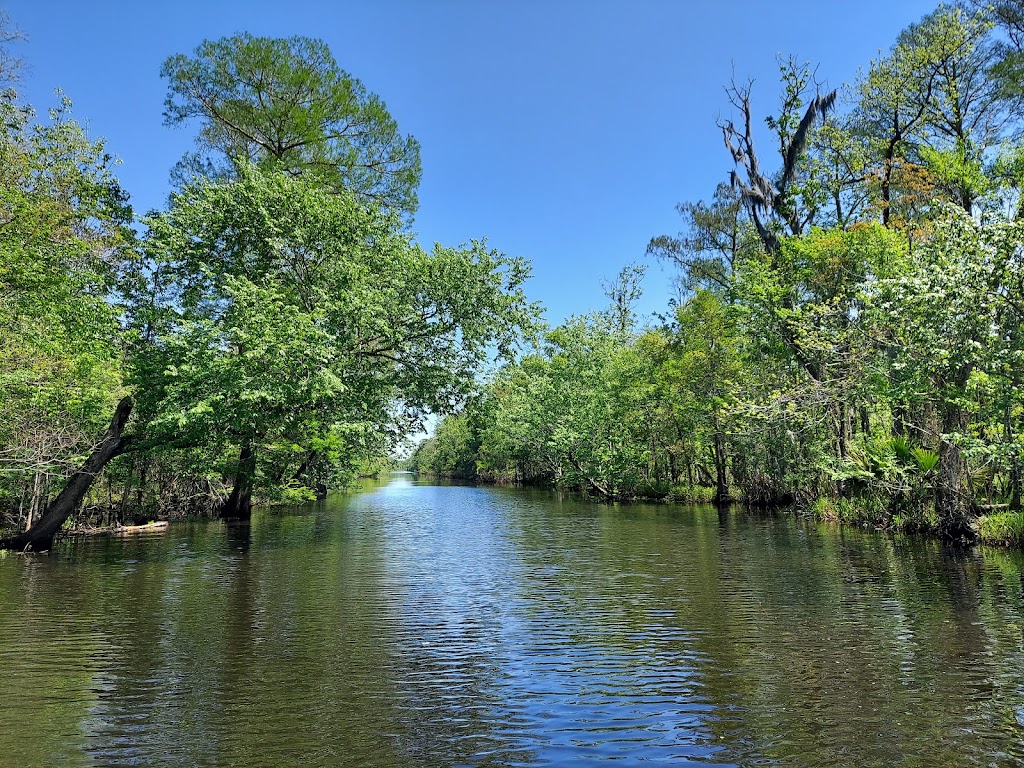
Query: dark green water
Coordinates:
[417,625]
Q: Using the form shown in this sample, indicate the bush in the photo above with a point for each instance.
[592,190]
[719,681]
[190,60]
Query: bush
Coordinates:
[859,510]
[691,494]
[823,508]
[1002,528]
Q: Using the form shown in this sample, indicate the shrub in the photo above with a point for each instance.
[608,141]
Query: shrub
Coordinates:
[1002,528]
[691,494]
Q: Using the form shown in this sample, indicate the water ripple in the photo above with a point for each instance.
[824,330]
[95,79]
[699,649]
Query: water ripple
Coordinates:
[420,625]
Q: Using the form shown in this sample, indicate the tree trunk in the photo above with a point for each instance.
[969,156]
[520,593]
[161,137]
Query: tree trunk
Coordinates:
[1015,485]
[35,502]
[140,491]
[899,421]
[306,461]
[239,503]
[721,481]
[594,484]
[890,153]
[1008,439]
[953,497]
[843,434]
[40,536]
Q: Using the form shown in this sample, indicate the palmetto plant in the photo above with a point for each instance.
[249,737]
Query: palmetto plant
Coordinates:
[926,459]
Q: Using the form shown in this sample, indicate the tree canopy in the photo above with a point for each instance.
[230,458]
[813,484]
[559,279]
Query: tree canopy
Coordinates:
[284,103]
[287,314]
[845,335]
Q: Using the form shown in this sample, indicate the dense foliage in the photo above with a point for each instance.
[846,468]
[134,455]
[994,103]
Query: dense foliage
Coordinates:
[846,334]
[848,330]
[64,244]
[284,103]
[272,333]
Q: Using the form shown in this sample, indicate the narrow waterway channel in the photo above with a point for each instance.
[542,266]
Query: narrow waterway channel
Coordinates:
[423,625]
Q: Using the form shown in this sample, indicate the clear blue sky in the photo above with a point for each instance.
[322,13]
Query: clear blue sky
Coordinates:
[565,131]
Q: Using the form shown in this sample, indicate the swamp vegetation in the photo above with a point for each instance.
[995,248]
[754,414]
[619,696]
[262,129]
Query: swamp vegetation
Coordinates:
[847,331]
[846,334]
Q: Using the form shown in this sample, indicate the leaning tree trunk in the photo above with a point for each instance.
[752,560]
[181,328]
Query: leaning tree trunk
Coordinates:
[39,537]
[239,503]
[594,484]
[953,498]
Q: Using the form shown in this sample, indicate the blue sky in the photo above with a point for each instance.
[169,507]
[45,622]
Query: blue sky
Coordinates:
[563,131]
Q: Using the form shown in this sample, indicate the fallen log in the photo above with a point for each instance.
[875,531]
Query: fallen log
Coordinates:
[120,530]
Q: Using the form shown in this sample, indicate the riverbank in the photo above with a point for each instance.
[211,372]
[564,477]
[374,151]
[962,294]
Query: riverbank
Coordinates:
[1003,528]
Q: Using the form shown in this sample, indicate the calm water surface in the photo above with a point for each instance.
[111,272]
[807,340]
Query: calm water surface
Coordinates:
[420,625]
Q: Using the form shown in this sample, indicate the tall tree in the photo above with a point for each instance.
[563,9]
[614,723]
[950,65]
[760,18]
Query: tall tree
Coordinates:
[893,101]
[715,239]
[65,242]
[291,311]
[955,309]
[623,293]
[782,203]
[1008,18]
[283,316]
[937,114]
[286,104]
[968,112]
[707,365]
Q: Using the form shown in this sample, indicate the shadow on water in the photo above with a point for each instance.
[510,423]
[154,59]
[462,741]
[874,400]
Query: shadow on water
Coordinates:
[430,625]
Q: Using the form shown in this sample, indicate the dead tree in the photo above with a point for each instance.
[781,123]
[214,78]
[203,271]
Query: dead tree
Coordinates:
[768,201]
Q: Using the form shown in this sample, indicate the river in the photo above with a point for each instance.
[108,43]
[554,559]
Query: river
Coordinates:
[426,625]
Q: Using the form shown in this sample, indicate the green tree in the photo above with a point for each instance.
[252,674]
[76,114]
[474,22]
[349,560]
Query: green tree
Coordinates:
[65,244]
[286,104]
[955,310]
[574,410]
[937,114]
[10,63]
[456,444]
[894,98]
[707,366]
[517,441]
[580,412]
[1008,18]
[715,239]
[289,309]
[283,318]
